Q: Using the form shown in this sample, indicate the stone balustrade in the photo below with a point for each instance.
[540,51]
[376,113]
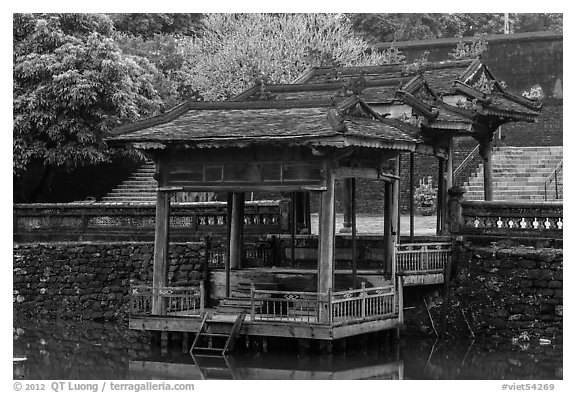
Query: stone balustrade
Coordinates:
[130,221]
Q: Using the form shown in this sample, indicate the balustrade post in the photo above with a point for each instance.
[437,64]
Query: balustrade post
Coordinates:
[455,219]
[329,301]
[363,300]
[252,301]
[201,297]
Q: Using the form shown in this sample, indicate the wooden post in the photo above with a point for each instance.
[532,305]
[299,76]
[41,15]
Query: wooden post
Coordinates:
[293,225]
[161,239]
[347,205]
[440,197]
[236,227]
[411,196]
[400,301]
[446,300]
[326,245]
[486,154]
[307,218]
[228,239]
[388,218]
[397,194]
[363,300]
[354,232]
[447,185]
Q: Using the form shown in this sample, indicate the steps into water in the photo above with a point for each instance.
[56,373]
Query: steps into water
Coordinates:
[216,337]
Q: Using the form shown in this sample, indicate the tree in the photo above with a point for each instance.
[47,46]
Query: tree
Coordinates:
[149,25]
[164,51]
[71,85]
[236,49]
[409,27]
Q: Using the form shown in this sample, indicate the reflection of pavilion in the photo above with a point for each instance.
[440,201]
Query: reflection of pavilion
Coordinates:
[272,367]
[330,125]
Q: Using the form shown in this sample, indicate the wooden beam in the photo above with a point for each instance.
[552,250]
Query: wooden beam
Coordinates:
[161,239]
[326,243]
[362,173]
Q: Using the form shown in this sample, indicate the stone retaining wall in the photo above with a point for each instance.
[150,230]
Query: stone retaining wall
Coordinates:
[92,280]
[506,291]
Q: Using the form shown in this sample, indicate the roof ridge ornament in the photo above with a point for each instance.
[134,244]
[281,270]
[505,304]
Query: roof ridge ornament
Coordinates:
[335,119]
[474,49]
[261,81]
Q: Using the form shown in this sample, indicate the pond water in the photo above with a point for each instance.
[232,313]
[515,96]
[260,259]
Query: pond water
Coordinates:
[89,350]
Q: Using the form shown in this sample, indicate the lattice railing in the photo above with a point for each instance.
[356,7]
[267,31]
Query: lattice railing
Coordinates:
[175,300]
[363,303]
[532,219]
[285,306]
[306,307]
[422,257]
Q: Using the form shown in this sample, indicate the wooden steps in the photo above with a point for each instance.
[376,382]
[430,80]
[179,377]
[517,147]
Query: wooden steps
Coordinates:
[215,338]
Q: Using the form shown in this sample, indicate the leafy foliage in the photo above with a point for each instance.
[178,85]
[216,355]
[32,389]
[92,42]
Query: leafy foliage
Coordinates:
[149,25]
[236,49]
[71,84]
[418,26]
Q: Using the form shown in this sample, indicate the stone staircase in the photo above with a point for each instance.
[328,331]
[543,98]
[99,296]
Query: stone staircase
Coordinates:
[139,188]
[519,174]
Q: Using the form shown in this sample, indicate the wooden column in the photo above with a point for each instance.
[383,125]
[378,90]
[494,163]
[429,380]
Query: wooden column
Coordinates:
[236,229]
[486,154]
[293,225]
[326,244]
[411,196]
[354,231]
[449,172]
[347,205]
[440,205]
[396,202]
[388,218]
[161,236]
[229,204]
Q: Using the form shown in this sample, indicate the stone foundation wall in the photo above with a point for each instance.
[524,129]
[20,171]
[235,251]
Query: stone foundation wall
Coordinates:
[506,291]
[91,281]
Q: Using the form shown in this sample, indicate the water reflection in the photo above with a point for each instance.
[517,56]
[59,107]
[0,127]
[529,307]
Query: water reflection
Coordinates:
[89,350]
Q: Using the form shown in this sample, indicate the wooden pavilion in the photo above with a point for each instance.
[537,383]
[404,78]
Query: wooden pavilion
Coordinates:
[331,124]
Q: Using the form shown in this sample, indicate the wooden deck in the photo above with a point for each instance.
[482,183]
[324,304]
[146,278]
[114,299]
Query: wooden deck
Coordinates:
[274,327]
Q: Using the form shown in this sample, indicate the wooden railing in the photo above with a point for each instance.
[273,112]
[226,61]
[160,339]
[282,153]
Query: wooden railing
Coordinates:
[506,218]
[363,303]
[553,179]
[306,307]
[414,258]
[285,306]
[71,221]
[174,300]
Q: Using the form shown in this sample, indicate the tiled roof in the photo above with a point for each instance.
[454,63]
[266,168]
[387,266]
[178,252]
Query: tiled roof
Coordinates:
[297,125]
